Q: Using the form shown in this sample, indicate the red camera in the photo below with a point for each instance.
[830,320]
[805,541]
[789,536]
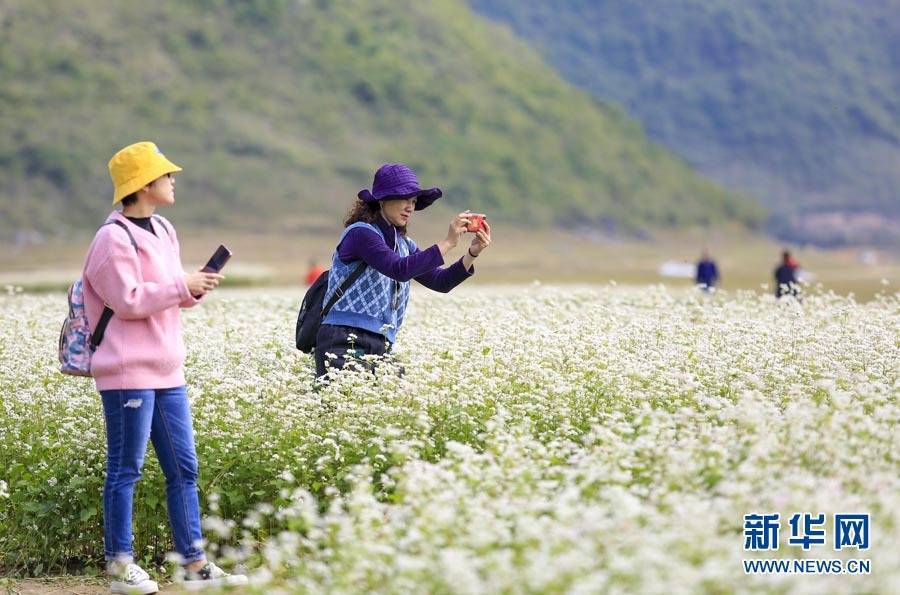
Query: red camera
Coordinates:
[476,222]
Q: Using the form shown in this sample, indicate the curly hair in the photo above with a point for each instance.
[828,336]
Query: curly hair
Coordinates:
[366,212]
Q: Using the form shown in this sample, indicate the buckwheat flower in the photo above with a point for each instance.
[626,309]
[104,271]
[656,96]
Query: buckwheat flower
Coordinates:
[217,525]
[575,428]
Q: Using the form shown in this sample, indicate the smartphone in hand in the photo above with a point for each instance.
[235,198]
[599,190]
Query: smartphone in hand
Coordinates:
[217,261]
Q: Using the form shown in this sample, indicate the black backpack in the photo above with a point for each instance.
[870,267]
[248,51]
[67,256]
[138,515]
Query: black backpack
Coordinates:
[312,312]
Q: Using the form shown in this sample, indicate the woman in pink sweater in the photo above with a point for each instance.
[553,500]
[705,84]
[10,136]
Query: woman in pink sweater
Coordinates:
[134,267]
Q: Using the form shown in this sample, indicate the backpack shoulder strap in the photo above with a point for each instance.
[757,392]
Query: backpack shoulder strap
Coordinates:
[340,291]
[97,334]
[125,227]
[163,224]
[357,272]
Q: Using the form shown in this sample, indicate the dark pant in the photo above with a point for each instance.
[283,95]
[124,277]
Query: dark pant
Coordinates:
[164,417]
[337,340]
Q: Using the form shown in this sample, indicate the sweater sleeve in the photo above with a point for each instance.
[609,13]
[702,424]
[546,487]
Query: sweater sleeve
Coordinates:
[191,301]
[368,245]
[445,279]
[116,278]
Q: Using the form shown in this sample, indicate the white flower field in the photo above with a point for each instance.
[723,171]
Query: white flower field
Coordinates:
[539,440]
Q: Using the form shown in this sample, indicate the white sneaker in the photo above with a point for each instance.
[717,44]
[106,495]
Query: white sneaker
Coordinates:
[130,579]
[211,576]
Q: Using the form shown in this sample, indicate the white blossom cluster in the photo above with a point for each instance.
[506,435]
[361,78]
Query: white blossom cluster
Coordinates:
[526,440]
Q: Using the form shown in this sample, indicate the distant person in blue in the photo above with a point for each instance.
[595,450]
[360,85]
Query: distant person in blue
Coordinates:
[786,282]
[707,272]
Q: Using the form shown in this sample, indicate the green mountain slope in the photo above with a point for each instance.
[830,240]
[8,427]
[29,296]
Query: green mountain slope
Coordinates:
[799,102]
[280,111]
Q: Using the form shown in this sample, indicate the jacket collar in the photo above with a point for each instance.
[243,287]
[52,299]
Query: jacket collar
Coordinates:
[117,215]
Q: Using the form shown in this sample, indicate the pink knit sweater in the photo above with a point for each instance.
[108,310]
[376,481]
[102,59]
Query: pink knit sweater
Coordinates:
[142,346]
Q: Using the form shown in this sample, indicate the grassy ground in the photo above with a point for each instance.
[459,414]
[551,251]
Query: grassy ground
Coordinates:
[517,256]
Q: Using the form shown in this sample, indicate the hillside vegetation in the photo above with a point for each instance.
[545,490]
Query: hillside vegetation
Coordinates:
[796,102]
[280,111]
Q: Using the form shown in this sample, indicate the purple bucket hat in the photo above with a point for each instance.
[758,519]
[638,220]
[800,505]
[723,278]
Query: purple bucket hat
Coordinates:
[396,180]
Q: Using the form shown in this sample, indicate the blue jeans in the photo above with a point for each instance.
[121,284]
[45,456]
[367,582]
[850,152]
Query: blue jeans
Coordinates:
[163,416]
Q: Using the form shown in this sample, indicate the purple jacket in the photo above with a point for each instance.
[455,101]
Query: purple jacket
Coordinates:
[380,254]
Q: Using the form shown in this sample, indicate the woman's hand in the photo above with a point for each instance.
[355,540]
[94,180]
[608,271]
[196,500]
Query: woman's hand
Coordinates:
[457,228]
[199,283]
[481,240]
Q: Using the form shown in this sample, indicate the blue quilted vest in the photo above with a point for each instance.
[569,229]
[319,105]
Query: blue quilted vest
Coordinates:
[374,302]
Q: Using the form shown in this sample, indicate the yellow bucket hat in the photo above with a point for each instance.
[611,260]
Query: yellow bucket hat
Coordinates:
[137,165]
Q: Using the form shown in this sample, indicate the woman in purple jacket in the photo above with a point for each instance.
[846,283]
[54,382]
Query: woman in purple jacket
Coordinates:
[366,317]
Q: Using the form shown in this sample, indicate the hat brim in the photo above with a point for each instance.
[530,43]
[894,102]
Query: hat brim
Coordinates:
[163,167]
[424,198]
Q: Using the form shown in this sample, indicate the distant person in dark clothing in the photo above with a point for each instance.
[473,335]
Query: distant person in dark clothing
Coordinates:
[707,272]
[786,282]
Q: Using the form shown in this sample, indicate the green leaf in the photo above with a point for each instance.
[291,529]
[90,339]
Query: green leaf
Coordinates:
[87,513]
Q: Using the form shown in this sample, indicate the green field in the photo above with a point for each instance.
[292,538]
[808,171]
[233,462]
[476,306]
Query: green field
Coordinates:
[542,439]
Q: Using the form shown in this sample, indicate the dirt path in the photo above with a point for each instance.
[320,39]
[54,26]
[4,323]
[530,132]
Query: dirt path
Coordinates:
[65,586]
